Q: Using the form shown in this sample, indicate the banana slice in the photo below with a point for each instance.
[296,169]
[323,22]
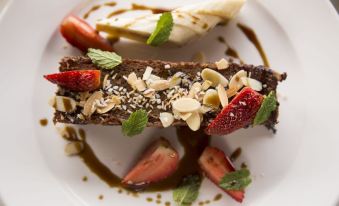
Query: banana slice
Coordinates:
[190,22]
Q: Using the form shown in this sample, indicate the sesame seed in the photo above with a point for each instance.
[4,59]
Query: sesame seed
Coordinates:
[115,87]
[129,111]
[167,66]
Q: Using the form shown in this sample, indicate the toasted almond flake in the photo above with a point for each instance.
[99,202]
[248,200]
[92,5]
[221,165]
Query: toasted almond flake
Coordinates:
[222,95]
[206,84]
[214,77]
[147,73]
[131,79]
[186,104]
[112,102]
[149,93]
[166,119]
[185,116]
[74,148]
[222,64]
[204,109]
[140,85]
[176,114]
[236,82]
[231,92]
[89,106]
[174,81]
[252,83]
[211,98]
[194,121]
[199,57]
[104,83]
[51,101]
[65,104]
[159,85]
[195,89]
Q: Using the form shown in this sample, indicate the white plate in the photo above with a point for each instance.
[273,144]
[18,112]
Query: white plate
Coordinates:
[297,166]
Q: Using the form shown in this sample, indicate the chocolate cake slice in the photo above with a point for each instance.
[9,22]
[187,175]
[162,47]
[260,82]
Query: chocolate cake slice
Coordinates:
[115,83]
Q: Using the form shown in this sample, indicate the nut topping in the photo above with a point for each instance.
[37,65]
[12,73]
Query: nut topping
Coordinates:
[166,119]
[185,105]
[193,121]
[236,83]
[222,64]
[252,83]
[222,95]
[211,99]
[159,85]
[90,107]
[214,77]
[64,104]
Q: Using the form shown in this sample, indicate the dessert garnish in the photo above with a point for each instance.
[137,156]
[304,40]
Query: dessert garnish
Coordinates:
[135,123]
[217,166]
[188,190]
[162,31]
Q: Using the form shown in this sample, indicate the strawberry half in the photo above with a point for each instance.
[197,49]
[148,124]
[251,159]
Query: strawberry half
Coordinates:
[159,161]
[215,164]
[239,113]
[77,80]
[81,35]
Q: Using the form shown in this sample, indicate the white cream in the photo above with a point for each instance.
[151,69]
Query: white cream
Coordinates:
[190,22]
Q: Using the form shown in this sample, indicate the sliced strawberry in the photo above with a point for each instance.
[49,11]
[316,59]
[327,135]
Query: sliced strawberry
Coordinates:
[215,164]
[78,80]
[81,35]
[159,161]
[239,113]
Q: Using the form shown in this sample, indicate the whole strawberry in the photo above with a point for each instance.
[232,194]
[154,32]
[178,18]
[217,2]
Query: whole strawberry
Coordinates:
[78,81]
[239,113]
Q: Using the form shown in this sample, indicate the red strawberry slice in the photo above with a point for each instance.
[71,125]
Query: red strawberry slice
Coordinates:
[78,80]
[239,113]
[81,35]
[159,161]
[215,164]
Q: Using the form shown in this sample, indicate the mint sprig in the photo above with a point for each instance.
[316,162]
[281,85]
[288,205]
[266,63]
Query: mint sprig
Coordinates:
[188,190]
[236,180]
[267,107]
[104,59]
[135,123]
[162,31]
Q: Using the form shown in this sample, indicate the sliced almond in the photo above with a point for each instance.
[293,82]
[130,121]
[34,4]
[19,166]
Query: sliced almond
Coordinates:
[140,85]
[51,102]
[222,95]
[65,104]
[149,93]
[74,148]
[159,85]
[222,64]
[185,116]
[186,104]
[214,77]
[193,121]
[176,114]
[89,106]
[131,79]
[252,83]
[175,79]
[113,101]
[204,109]
[231,92]
[195,89]
[147,73]
[236,83]
[166,119]
[206,84]
[211,98]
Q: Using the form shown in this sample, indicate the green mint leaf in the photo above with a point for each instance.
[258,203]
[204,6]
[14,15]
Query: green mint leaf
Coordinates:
[104,59]
[188,190]
[135,123]
[236,180]
[162,31]
[267,107]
